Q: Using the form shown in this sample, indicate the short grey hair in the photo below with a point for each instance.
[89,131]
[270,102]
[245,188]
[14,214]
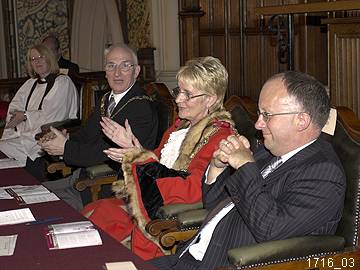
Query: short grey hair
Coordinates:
[124,46]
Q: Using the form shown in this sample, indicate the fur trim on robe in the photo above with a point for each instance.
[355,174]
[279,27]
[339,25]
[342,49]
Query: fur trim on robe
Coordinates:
[195,139]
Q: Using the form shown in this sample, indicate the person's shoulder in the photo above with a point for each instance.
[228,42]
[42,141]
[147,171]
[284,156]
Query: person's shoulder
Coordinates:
[320,152]
[138,94]
[63,78]
[65,63]
[137,90]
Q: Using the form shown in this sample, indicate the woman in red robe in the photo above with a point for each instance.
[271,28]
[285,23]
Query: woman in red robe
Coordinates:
[173,172]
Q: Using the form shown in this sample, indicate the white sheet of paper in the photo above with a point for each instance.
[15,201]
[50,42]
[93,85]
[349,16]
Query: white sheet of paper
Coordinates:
[4,194]
[16,216]
[30,190]
[120,266]
[7,245]
[8,163]
[71,227]
[40,198]
[77,239]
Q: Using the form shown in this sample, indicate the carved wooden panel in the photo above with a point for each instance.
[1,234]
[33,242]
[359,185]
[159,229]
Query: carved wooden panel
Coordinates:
[344,56]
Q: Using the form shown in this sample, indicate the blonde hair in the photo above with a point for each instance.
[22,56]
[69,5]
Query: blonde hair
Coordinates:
[208,75]
[49,58]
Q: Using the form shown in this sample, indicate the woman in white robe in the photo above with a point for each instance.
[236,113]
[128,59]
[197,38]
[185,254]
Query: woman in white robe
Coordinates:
[44,98]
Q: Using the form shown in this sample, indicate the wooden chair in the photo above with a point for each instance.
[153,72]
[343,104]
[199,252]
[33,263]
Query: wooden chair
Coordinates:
[99,175]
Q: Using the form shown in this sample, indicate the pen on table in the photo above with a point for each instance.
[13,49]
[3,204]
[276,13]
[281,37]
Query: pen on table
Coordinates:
[43,221]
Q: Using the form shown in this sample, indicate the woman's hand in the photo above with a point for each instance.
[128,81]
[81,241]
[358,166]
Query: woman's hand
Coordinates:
[120,135]
[116,154]
[16,118]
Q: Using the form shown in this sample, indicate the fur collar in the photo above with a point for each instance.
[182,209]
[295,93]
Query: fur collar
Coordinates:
[197,136]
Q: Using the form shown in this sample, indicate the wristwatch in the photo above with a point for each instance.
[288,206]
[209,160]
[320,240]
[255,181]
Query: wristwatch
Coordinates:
[25,116]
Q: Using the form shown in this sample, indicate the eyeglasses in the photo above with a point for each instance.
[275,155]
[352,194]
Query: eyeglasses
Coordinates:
[267,116]
[186,94]
[124,66]
[37,58]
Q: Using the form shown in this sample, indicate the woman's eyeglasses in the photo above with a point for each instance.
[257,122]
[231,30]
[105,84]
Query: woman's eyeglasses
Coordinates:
[186,95]
[37,58]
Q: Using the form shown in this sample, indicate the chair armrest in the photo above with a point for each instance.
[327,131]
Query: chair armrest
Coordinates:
[171,210]
[192,219]
[99,171]
[284,249]
[65,124]
[168,239]
[96,176]
[59,166]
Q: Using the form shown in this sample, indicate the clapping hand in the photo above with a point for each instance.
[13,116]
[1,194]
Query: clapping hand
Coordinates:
[120,135]
[234,151]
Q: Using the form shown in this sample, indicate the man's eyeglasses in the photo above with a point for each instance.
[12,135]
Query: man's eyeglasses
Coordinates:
[124,66]
[37,58]
[267,116]
[187,95]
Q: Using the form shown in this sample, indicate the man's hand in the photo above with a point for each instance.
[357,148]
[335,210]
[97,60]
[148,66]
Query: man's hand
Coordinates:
[54,144]
[241,153]
[16,118]
[120,135]
[234,151]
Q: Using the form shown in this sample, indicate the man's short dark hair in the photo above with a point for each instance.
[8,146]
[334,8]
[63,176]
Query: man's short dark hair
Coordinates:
[310,93]
[53,39]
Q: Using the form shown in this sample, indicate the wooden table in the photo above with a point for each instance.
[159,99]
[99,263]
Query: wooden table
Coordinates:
[31,251]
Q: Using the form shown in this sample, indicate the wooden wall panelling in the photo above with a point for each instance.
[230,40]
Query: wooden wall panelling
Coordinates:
[312,44]
[189,15]
[344,62]
[221,36]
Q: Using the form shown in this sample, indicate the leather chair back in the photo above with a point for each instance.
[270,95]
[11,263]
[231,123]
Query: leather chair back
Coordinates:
[243,113]
[346,143]
[165,107]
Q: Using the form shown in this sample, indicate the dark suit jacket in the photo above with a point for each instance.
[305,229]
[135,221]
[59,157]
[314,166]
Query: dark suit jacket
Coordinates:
[85,147]
[72,67]
[303,196]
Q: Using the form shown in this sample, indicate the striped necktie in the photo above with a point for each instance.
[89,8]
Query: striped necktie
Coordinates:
[273,165]
[111,106]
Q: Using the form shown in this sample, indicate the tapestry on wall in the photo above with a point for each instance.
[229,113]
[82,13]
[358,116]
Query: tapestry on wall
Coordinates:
[139,23]
[37,18]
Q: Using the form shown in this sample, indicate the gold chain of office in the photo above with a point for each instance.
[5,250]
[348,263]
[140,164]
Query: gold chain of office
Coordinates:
[102,104]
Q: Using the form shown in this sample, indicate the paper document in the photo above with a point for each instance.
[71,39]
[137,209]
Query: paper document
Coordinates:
[27,190]
[28,194]
[8,163]
[39,198]
[7,245]
[71,235]
[6,195]
[16,216]
[120,266]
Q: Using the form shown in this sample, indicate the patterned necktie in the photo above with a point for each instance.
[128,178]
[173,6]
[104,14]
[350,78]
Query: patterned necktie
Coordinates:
[111,106]
[274,164]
